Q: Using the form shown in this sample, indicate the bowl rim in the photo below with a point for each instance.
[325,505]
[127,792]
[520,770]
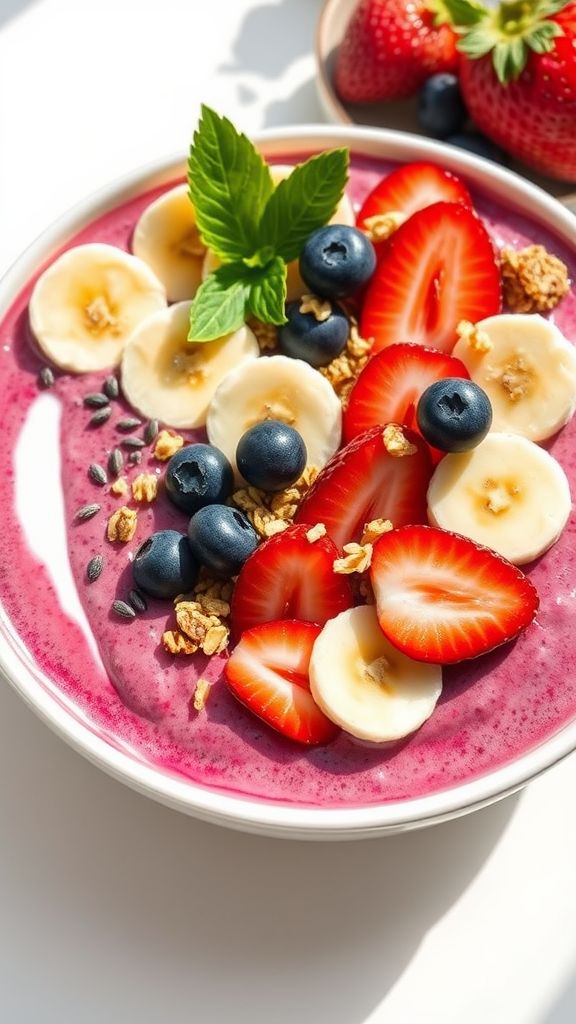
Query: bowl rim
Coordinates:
[216,806]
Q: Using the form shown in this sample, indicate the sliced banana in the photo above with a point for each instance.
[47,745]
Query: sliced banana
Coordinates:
[276,388]
[86,305]
[166,377]
[528,370]
[167,238]
[507,494]
[295,286]
[365,685]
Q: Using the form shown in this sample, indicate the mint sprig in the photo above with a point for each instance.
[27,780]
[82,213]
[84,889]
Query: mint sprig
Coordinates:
[253,228]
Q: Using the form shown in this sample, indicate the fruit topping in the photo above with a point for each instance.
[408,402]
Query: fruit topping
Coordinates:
[198,475]
[85,306]
[164,566]
[439,268]
[382,473]
[268,673]
[528,370]
[411,188]
[276,388]
[271,455]
[533,280]
[440,598]
[290,576]
[337,261]
[390,385]
[167,239]
[507,493]
[221,538]
[367,686]
[167,377]
[316,331]
[441,109]
[454,415]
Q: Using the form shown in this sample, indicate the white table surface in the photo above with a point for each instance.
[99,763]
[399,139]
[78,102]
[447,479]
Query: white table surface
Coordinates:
[113,908]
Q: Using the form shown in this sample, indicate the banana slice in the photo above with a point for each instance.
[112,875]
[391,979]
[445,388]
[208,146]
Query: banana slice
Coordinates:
[276,388]
[295,286]
[166,377]
[365,685]
[528,370]
[85,306]
[167,239]
[507,494]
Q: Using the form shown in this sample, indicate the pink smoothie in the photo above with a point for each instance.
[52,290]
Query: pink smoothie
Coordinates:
[492,710]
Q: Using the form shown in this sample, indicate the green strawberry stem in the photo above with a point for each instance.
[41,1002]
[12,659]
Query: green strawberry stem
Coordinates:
[508,32]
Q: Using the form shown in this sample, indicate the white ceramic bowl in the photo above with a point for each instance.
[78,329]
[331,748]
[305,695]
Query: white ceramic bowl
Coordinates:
[236,812]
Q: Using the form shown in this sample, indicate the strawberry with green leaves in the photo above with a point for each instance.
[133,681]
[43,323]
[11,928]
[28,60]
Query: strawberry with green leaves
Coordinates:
[518,78]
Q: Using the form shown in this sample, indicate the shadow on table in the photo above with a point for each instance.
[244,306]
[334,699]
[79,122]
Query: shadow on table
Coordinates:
[166,912]
[12,8]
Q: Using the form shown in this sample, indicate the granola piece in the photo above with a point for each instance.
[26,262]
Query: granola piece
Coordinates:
[145,487]
[119,487]
[209,587]
[533,280]
[216,639]
[321,308]
[474,335]
[382,225]
[192,621]
[266,334]
[343,371]
[248,498]
[176,643]
[275,526]
[375,529]
[315,533]
[260,518]
[167,444]
[357,558]
[213,605]
[201,691]
[395,443]
[122,524]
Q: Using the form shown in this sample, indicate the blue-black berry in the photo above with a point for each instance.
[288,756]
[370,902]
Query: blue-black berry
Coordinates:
[221,538]
[271,455]
[441,109]
[164,565]
[454,414]
[198,475]
[317,342]
[336,261]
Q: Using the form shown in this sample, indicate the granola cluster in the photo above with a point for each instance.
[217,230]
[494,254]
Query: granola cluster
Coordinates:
[202,620]
[342,372]
[270,513]
[382,225]
[167,444]
[475,337]
[266,334]
[533,280]
[122,525]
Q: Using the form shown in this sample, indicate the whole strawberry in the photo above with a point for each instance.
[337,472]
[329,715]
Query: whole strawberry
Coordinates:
[518,79]
[391,47]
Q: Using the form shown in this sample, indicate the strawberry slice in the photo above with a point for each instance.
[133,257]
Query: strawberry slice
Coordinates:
[366,480]
[410,188]
[437,269]
[390,385]
[442,598]
[268,673]
[289,577]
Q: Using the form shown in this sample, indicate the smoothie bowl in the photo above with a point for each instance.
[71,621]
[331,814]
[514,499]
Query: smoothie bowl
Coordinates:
[159,689]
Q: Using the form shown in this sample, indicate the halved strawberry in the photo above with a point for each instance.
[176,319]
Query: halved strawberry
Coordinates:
[442,598]
[410,188]
[366,481]
[289,577]
[391,383]
[268,673]
[437,269]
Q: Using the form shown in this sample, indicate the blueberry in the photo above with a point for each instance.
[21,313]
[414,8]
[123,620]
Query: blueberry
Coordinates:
[271,455]
[198,475]
[441,109]
[317,342]
[454,414]
[221,538]
[478,144]
[164,565]
[336,261]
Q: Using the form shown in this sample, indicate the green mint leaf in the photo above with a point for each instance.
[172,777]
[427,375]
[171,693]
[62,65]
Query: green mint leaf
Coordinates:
[229,185]
[267,295]
[303,202]
[219,304]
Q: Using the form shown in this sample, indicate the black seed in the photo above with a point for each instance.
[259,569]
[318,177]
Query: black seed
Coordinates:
[94,568]
[100,417]
[151,431]
[123,609]
[115,462]
[45,377]
[128,423]
[135,458]
[87,511]
[133,442]
[95,400]
[97,474]
[138,601]
[110,387]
